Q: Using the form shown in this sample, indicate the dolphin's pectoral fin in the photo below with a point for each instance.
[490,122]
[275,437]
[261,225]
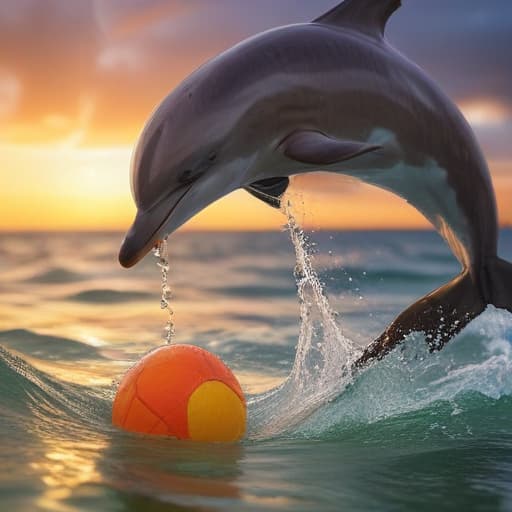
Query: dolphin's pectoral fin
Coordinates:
[269,191]
[369,16]
[315,148]
[440,316]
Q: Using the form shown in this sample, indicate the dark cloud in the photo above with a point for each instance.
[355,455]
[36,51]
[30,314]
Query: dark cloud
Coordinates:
[464,44]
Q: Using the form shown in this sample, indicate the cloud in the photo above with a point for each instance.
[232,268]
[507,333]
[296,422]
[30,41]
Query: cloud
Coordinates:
[464,44]
[10,92]
[80,127]
[495,140]
[120,56]
[51,48]
[55,128]
[120,19]
[485,111]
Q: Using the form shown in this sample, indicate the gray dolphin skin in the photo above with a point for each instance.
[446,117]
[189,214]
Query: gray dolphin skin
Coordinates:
[331,95]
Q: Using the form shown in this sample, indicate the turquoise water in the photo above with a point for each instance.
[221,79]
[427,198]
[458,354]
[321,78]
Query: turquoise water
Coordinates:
[414,432]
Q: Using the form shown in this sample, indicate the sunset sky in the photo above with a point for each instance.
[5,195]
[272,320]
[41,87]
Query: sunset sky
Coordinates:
[78,78]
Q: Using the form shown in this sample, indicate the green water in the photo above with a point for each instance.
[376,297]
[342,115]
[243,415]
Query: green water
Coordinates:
[417,431]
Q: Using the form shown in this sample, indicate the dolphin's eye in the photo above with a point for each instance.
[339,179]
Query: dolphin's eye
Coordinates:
[212,156]
[187,176]
[190,175]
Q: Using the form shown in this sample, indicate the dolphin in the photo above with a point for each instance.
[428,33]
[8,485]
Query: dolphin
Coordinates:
[331,95]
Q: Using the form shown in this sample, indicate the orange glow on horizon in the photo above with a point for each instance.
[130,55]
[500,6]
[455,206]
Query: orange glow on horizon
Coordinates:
[66,188]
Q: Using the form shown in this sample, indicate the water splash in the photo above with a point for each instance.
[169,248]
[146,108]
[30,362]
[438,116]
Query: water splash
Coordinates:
[314,400]
[472,369]
[161,252]
[324,356]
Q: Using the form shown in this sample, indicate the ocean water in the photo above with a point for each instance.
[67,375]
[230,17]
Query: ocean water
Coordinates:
[287,312]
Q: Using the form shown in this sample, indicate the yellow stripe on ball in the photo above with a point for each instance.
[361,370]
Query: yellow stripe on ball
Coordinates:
[215,413]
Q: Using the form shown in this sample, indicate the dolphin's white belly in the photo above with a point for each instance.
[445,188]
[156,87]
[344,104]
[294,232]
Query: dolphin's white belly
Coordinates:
[428,190]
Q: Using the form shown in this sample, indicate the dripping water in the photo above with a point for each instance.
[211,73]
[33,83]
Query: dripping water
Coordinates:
[162,255]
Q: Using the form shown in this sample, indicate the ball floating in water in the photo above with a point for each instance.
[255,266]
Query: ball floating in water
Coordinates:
[181,391]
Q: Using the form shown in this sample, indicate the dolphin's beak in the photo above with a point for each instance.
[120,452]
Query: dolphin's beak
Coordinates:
[170,213]
[146,229]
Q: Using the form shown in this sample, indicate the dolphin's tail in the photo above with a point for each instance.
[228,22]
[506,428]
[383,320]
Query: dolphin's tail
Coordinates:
[446,311]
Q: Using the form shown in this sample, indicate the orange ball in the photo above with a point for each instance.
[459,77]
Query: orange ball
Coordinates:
[181,391]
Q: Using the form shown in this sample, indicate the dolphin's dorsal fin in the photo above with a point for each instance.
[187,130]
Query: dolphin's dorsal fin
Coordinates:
[368,16]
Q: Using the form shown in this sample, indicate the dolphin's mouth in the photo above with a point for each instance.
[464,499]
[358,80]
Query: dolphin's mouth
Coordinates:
[145,230]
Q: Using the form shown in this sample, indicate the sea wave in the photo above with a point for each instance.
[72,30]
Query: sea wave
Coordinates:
[108,296]
[57,275]
[30,395]
[466,389]
[47,347]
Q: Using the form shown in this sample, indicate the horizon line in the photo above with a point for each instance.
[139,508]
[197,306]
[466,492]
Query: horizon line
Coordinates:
[234,231]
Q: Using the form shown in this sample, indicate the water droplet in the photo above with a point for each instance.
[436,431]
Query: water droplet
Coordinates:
[161,253]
